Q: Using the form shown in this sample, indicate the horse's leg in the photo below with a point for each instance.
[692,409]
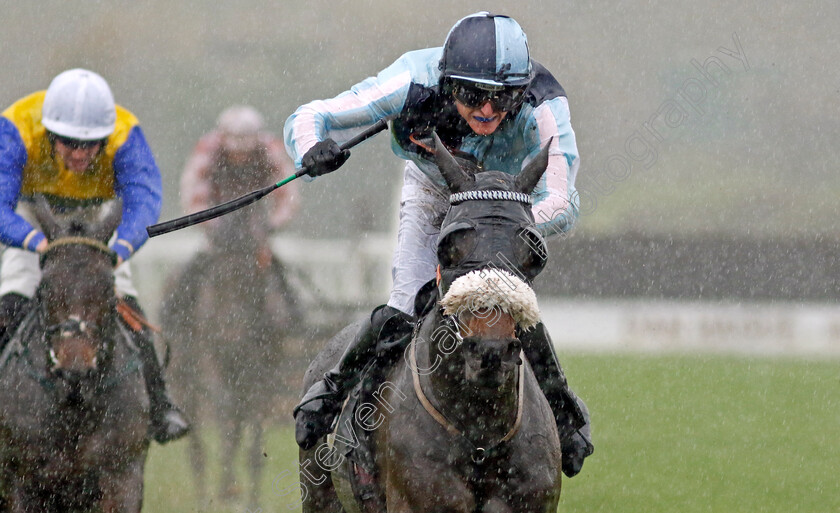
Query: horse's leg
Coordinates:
[231,433]
[122,492]
[198,462]
[316,487]
[194,393]
[256,463]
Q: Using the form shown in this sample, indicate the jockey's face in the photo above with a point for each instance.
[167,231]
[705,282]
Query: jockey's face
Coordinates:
[484,106]
[77,157]
[484,119]
[239,148]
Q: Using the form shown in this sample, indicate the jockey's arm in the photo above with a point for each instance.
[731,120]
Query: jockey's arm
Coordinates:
[15,231]
[195,184]
[348,114]
[555,197]
[138,182]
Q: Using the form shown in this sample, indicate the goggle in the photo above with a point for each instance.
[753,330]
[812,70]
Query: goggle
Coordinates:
[503,99]
[77,143]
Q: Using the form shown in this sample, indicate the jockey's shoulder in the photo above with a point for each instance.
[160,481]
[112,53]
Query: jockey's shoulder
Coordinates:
[209,142]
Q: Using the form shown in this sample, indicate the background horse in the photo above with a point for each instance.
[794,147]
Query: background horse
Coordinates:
[226,319]
[73,406]
[463,427]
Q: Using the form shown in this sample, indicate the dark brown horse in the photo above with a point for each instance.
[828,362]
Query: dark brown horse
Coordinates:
[457,426]
[73,407]
[226,318]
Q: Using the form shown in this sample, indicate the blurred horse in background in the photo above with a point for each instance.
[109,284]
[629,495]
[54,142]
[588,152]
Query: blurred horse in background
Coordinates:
[227,317]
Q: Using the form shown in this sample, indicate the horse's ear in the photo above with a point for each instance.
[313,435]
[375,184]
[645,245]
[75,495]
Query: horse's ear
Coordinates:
[527,179]
[455,177]
[103,230]
[51,227]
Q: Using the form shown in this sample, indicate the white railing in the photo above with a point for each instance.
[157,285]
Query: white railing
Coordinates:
[355,275]
[345,273]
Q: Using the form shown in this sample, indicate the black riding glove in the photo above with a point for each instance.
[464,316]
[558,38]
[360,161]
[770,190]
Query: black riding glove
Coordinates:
[325,157]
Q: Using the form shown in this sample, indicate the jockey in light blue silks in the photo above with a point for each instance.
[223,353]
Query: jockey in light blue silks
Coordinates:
[486,99]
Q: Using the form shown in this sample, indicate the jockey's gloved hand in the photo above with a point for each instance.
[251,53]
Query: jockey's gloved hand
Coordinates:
[325,157]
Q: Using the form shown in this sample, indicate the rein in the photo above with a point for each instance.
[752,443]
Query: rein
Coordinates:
[479,454]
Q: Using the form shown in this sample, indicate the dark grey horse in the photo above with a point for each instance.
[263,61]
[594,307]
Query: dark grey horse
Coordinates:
[73,407]
[454,426]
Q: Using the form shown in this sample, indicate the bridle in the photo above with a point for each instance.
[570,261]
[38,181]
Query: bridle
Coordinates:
[78,241]
[75,325]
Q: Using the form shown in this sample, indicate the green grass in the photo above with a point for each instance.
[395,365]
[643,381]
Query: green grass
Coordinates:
[673,434]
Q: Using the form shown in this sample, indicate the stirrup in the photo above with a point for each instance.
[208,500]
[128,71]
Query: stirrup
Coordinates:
[169,425]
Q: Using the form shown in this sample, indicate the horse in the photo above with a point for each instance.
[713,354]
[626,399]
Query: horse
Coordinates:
[459,423]
[227,319]
[74,412]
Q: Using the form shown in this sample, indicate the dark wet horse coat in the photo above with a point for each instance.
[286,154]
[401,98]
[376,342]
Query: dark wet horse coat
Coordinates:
[480,458]
[226,319]
[73,406]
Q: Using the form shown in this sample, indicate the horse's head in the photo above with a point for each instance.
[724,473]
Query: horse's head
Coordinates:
[488,230]
[490,347]
[489,222]
[77,294]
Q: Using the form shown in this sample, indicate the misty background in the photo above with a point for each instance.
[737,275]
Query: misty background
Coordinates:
[696,121]
[708,133]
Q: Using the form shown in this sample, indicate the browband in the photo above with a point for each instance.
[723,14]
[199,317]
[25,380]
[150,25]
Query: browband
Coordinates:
[521,197]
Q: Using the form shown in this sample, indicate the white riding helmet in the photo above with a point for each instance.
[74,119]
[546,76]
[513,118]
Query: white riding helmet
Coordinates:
[79,105]
[240,127]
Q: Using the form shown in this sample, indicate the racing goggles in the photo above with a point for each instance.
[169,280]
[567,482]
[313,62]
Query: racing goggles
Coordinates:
[474,95]
[77,143]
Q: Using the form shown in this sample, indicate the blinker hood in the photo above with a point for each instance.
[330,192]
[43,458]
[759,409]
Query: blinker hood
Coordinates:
[496,233]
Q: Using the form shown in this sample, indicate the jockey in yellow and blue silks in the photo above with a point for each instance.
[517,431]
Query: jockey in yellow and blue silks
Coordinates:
[484,96]
[74,145]
[124,166]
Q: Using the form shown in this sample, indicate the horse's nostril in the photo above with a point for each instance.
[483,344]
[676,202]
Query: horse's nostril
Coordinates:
[491,361]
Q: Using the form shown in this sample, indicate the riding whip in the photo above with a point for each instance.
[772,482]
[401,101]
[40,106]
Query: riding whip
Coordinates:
[251,197]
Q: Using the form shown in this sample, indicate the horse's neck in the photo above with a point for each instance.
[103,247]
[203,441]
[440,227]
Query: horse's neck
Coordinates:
[30,338]
[479,412]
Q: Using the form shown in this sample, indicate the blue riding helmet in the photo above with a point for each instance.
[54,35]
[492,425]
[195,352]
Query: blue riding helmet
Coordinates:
[487,49]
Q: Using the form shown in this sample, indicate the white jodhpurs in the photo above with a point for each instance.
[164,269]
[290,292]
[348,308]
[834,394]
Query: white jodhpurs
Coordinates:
[20,270]
[422,208]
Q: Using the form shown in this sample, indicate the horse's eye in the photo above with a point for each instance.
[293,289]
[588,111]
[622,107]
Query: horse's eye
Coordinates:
[530,251]
[454,247]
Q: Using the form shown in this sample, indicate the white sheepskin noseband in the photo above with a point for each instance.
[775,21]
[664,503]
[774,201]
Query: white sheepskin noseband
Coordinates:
[486,289]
